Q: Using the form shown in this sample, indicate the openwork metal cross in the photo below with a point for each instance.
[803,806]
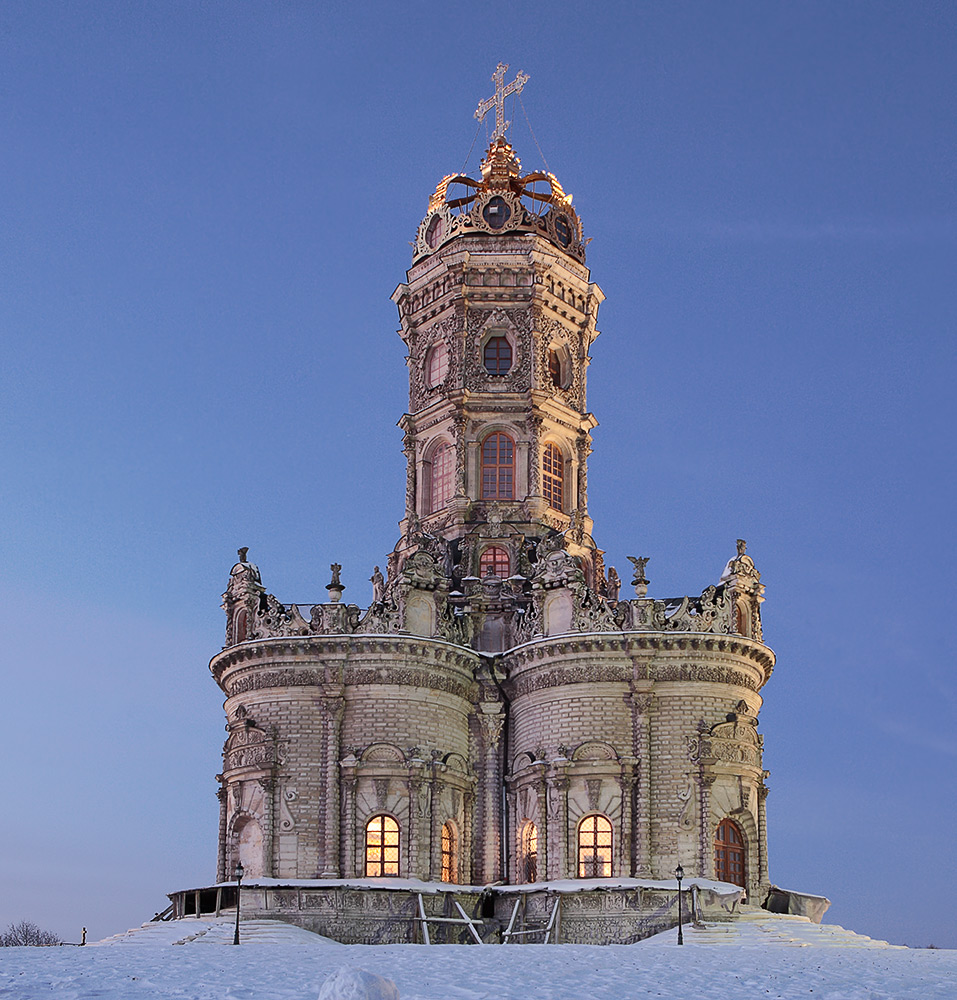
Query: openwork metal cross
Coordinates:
[498,101]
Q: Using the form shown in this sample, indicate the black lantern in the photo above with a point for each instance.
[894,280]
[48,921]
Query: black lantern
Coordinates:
[679,875]
[239,872]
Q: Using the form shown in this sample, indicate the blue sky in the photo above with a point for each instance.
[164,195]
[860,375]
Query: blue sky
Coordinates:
[205,208]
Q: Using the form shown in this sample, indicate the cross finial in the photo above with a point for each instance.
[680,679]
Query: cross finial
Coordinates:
[498,101]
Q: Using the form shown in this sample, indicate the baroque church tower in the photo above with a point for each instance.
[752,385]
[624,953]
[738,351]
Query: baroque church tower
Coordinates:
[501,713]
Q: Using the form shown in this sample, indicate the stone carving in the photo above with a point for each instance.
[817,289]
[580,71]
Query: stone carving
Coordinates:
[555,566]
[422,571]
[383,617]
[687,813]
[640,581]
[378,586]
[612,585]
[287,821]
[592,613]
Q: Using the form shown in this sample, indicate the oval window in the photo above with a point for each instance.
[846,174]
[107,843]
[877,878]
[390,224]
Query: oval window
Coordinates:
[434,232]
[496,212]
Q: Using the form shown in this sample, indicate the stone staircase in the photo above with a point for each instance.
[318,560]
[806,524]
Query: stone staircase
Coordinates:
[754,927]
[214,930]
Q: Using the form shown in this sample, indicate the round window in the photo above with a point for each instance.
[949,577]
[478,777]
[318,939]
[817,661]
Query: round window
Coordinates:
[496,212]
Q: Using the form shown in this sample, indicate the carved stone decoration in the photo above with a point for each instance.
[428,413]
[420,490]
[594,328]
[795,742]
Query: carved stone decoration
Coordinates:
[381,786]
[556,567]
[593,787]
[687,814]
[287,822]
[383,618]
[515,322]
[593,613]
[445,332]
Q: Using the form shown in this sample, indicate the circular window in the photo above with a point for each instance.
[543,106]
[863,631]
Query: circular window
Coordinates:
[496,213]
[563,231]
[434,232]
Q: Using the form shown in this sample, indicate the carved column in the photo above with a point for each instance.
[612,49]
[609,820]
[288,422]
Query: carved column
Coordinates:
[534,425]
[705,852]
[461,455]
[331,712]
[221,873]
[764,877]
[558,834]
[268,786]
[584,450]
[626,782]
[348,784]
[641,723]
[408,447]
[489,818]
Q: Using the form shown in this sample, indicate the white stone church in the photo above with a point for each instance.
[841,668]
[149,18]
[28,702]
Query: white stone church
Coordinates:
[503,720]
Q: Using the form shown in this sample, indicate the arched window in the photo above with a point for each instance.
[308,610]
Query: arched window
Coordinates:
[494,562]
[529,870]
[497,355]
[442,482]
[382,847]
[250,847]
[437,366]
[498,467]
[594,847]
[742,620]
[553,476]
[450,854]
[729,853]
[242,625]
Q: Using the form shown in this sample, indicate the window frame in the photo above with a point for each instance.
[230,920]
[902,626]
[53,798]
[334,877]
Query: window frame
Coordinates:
[607,863]
[450,853]
[553,483]
[382,862]
[502,470]
[445,451]
[499,338]
[724,866]
[496,562]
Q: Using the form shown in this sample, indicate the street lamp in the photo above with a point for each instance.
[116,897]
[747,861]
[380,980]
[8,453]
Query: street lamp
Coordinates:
[679,875]
[239,872]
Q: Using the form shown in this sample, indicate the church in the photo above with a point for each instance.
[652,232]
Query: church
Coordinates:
[506,720]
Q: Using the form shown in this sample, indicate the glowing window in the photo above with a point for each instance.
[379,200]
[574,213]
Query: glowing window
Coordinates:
[594,847]
[497,355]
[498,467]
[382,847]
[529,871]
[553,476]
[494,562]
[438,365]
[729,853]
[450,860]
[443,477]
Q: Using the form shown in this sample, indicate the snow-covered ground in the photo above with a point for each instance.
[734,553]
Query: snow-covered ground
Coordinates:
[763,958]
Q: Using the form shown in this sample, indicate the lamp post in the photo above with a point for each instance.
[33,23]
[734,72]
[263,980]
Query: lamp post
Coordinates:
[239,872]
[679,875]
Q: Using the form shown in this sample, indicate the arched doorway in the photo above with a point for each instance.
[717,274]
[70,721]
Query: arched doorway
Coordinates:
[729,853]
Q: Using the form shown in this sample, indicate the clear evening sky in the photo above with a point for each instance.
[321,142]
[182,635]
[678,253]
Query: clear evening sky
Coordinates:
[204,208]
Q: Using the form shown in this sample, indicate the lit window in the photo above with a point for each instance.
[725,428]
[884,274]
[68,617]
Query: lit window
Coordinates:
[594,847]
[494,562]
[438,365]
[529,871]
[497,355]
[450,861]
[553,476]
[382,847]
[498,467]
[729,853]
[443,477]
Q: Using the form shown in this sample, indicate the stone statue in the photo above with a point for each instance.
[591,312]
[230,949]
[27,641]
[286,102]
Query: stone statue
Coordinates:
[378,586]
[613,585]
[336,570]
[742,547]
[640,582]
